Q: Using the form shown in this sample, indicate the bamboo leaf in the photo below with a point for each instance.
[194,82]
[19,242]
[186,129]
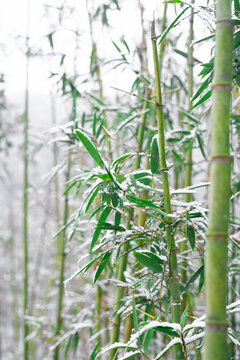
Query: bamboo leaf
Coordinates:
[91,149]
[201,145]
[154,159]
[203,99]
[193,278]
[135,320]
[108,226]
[102,266]
[97,232]
[184,318]
[150,260]
[164,34]
[145,203]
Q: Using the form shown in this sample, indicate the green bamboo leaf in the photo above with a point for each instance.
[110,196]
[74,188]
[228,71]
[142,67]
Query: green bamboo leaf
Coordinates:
[126,45]
[118,49]
[207,68]
[203,99]
[193,278]
[68,346]
[154,159]
[147,259]
[50,39]
[97,231]
[147,340]
[117,219]
[75,341]
[92,195]
[116,3]
[184,317]
[201,282]
[236,40]
[91,149]
[167,330]
[135,320]
[99,101]
[122,159]
[190,117]
[185,55]
[108,226]
[203,86]
[201,145]
[164,34]
[102,266]
[115,199]
[203,39]
[143,202]
[94,352]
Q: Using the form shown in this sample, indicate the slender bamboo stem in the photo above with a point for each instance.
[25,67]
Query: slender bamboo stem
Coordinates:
[62,264]
[173,268]
[163,43]
[119,291]
[217,235]
[188,159]
[25,198]
[99,81]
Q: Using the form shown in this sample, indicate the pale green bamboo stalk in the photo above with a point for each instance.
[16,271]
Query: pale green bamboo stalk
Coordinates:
[62,263]
[119,291]
[99,81]
[25,198]
[216,262]
[163,43]
[188,159]
[173,268]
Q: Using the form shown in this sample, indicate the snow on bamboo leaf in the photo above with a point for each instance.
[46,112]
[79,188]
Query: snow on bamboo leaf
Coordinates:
[91,149]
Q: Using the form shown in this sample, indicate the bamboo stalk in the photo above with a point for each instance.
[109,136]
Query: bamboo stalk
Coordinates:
[188,159]
[217,235]
[173,268]
[25,198]
[163,43]
[62,263]
[99,81]
[119,291]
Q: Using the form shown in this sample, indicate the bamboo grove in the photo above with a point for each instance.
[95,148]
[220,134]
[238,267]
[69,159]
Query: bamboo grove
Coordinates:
[121,227]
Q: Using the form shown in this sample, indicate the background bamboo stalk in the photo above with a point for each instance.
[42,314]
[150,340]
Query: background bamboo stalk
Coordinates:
[25,196]
[62,263]
[173,268]
[217,235]
[163,43]
[188,159]
[119,291]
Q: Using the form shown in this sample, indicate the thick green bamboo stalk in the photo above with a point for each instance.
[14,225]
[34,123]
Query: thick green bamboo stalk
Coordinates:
[217,235]
[173,268]
[188,159]
[25,199]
